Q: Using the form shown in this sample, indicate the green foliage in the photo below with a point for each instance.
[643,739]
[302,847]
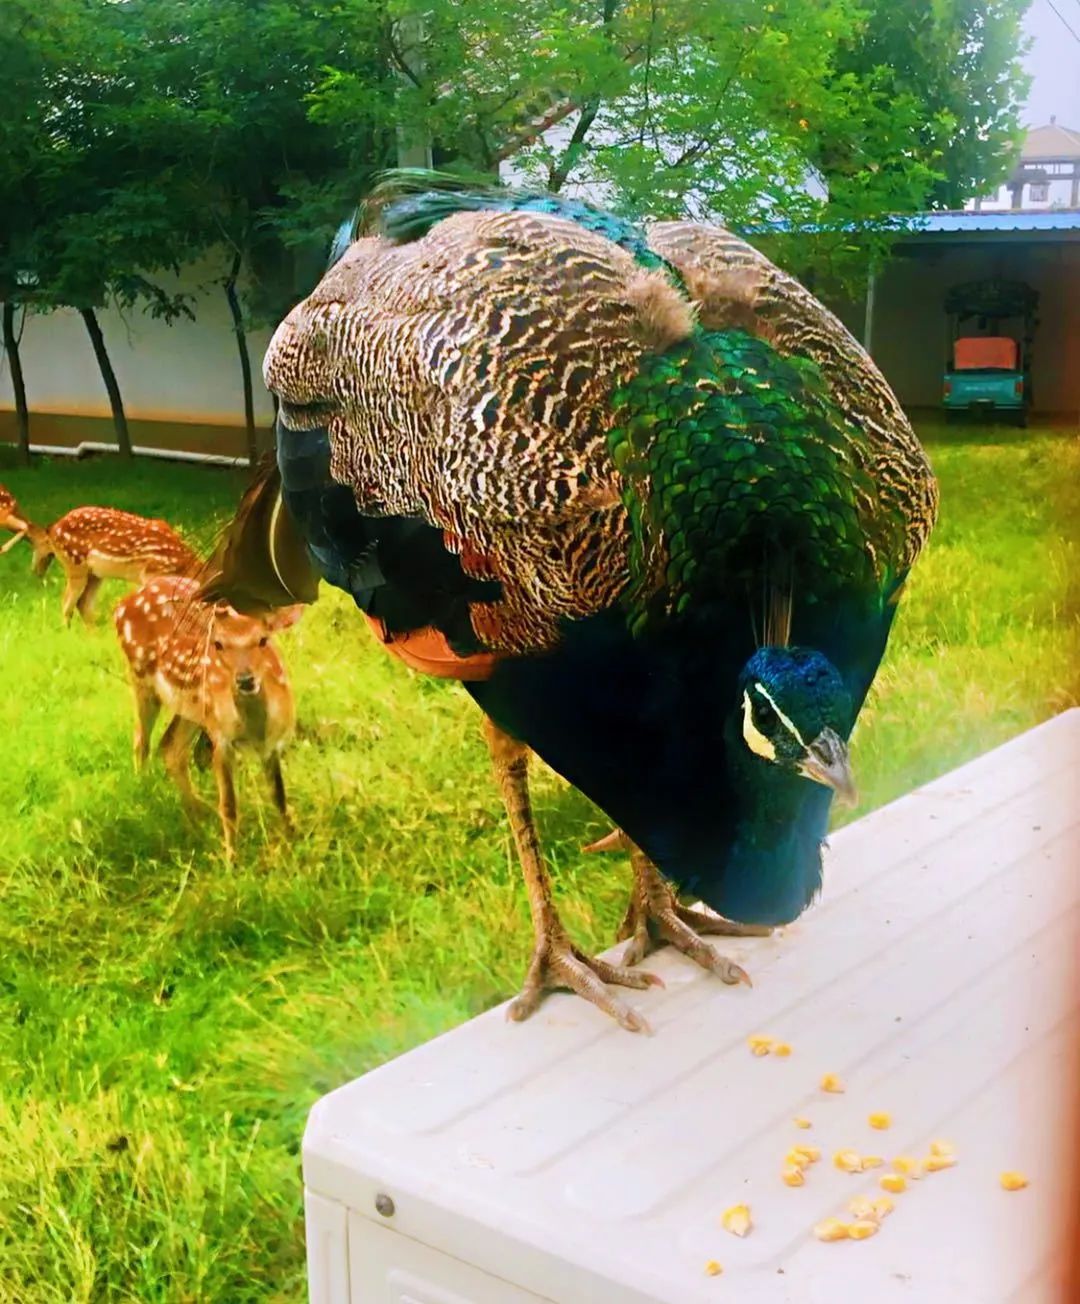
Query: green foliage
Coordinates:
[720,427]
[167,1020]
[825,115]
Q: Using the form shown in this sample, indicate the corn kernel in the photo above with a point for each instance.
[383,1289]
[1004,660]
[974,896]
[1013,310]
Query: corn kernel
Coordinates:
[831,1229]
[830,1082]
[871,1161]
[1013,1181]
[908,1165]
[894,1182]
[883,1206]
[792,1175]
[942,1148]
[935,1163]
[802,1122]
[880,1121]
[848,1161]
[860,1230]
[862,1207]
[810,1154]
[713,1269]
[782,1049]
[759,1045]
[736,1220]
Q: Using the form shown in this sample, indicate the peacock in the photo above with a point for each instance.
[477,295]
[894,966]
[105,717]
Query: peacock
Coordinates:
[641,494]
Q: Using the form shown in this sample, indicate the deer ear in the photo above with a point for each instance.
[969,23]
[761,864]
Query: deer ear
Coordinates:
[283,617]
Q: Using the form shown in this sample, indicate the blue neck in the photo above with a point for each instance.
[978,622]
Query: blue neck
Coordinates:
[773,869]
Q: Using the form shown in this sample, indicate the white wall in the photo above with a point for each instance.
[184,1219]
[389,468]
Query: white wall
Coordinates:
[187,372]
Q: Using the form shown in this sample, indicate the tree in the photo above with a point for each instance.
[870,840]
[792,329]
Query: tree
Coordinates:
[31,52]
[268,180]
[818,116]
[91,223]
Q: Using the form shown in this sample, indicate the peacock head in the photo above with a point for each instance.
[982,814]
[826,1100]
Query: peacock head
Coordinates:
[793,717]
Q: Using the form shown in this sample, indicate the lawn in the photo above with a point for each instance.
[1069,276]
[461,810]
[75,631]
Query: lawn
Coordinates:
[166,1020]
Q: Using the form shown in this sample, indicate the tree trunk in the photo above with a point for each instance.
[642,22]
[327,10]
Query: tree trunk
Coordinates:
[18,385]
[245,359]
[123,438]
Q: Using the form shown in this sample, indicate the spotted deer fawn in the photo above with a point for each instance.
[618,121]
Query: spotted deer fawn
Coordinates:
[98,543]
[218,673]
[12,518]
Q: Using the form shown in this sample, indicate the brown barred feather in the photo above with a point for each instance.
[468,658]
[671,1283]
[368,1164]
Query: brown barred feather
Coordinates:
[467,378]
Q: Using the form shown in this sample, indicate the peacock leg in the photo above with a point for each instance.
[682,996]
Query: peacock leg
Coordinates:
[655,915]
[556,962]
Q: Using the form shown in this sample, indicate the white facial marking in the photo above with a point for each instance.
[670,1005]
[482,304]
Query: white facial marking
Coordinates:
[785,720]
[754,738]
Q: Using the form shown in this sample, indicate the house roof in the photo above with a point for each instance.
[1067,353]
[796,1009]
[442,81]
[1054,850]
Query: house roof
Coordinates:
[1010,219]
[1053,141]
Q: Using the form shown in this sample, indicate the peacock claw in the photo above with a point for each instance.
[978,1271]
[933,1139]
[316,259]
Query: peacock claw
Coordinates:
[557,963]
[655,916]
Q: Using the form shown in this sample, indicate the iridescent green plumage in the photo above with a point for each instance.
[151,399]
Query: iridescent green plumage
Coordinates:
[732,455]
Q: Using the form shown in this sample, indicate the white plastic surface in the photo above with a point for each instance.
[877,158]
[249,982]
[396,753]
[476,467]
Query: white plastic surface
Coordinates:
[576,1162]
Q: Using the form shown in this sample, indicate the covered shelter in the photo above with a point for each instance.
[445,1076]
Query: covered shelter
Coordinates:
[904,323]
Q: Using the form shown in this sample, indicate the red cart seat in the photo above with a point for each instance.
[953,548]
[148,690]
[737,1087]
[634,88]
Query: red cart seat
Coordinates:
[980,351]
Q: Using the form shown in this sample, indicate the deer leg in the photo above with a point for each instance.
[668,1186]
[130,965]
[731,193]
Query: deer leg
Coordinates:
[556,961]
[77,580]
[226,797]
[272,767]
[85,601]
[147,706]
[175,750]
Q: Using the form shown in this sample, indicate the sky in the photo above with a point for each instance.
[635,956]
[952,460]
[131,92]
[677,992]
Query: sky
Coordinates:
[1054,63]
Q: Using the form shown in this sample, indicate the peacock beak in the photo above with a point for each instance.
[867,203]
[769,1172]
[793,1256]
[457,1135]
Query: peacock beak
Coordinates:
[826,762]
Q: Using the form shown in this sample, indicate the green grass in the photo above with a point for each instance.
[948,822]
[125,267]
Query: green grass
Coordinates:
[166,1021]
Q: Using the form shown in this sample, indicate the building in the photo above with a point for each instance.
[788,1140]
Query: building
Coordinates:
[904,324]
[1047,174]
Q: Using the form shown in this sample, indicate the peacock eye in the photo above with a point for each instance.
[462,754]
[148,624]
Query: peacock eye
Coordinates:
[765,715]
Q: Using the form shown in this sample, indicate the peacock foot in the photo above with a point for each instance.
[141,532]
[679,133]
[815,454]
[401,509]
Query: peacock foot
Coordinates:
[655,916]
[557,963]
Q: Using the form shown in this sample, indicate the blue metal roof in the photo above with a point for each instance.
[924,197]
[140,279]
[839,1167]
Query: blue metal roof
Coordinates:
[1060,219]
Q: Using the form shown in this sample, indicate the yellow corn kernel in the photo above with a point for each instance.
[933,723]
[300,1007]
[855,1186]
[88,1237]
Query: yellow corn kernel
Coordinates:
[810,1154]
[862,1228]
[872,1161]
[883,1206]
[935,1163]
[736,1220]
[942,1148]
[802,1122]
[1013,1181]
[831,1229]
[713,1269]
[759,1045]
[908,1165]
[830,1082]
[848,1161]
[862,1207]
[782,1049]
[880,1121]
[894,1182]
[793,1175]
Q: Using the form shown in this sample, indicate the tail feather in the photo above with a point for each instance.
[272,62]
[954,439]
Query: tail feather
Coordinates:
[261,562]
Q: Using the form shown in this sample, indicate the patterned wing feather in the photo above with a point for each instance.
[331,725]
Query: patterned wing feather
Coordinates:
[470,372]
[735,286]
